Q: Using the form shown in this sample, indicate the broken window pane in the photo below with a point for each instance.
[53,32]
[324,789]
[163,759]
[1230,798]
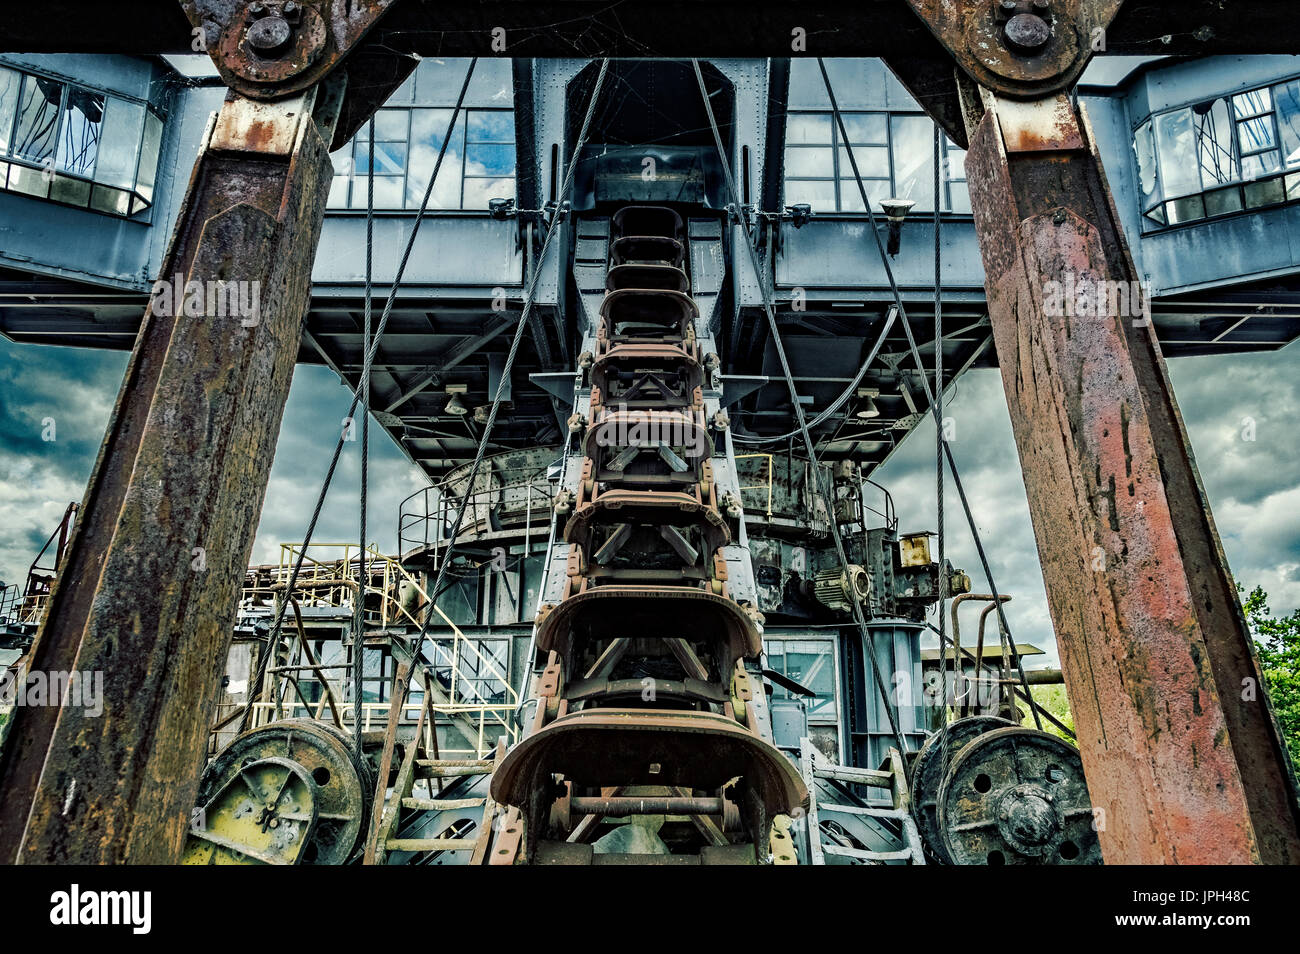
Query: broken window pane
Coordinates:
[83,116]
[1144,148]
[10,81]
[1176,146]
[38,119]
[1214,143]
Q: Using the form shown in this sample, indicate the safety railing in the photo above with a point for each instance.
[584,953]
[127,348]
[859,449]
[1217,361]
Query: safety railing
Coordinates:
[17,608]
[475,682]
[374,718]
[427,517]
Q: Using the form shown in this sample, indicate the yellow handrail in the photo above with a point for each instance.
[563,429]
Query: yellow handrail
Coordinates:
[336,581]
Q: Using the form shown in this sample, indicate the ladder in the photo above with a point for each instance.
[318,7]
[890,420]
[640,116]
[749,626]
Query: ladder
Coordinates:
[814,765]
[415,766]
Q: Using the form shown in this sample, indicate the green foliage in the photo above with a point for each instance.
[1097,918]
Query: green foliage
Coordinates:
[1054,700]
[1277,640]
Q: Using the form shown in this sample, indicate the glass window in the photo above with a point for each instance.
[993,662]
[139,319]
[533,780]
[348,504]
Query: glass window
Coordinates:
[809,162]
[479,163]
[1144,148]
[913,148]
[955,176]
[1218,161]
[811,663]
[1176,145]
[428,127]
[150,147]
[10,81]
[496,126]
[38,119]
[808,129]
[866,128]
[83,116]
[1287,99]
[894,155]
[76,145]
[1242,144]
[123,125]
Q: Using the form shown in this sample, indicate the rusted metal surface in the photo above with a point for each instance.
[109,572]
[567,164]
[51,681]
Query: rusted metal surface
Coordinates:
[622,806]
[149,588]
[341,786]
[1184,761]
[931,768]
[593,28]
[1016,796]
[646,683]
[1019,47]
[649,747]
[268,49]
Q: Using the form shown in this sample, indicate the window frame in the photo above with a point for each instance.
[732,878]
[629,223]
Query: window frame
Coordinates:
[1249,193]
[9,159]
[356,175]
[826,714]
[841,178]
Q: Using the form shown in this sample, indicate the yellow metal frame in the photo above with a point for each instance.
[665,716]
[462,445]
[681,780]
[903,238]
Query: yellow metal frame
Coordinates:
[335,581]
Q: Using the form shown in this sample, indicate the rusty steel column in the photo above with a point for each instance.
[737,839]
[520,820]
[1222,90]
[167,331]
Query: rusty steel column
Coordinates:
[1180,748]
[148,591]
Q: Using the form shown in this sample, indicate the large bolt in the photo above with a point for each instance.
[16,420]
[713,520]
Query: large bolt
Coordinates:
[270,35]
[1027,33]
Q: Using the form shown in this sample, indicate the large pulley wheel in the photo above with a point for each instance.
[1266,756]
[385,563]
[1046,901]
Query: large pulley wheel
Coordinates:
[266,812]
[1017,796]
[344,784]
[930,769]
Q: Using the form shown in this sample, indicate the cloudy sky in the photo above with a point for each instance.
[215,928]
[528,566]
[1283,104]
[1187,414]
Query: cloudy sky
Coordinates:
[1254,487]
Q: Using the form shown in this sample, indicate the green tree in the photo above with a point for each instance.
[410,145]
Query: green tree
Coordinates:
[1277,640]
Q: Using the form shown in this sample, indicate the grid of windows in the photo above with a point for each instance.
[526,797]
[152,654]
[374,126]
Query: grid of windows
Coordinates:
[894,154]
[811,663]
[479,164]
[1225,155]
[75,145]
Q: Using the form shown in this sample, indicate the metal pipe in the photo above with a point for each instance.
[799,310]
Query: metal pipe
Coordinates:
[624,805]
[958,673]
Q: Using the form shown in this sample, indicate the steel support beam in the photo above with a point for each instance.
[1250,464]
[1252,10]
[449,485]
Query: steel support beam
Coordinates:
[149,588]
[1180,748]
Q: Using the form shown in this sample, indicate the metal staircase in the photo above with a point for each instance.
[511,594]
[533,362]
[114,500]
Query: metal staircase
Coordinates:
[832,812]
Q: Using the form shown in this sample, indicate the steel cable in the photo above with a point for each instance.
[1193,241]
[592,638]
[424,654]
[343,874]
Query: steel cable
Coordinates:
[273,638]
[818,484]
[925,381]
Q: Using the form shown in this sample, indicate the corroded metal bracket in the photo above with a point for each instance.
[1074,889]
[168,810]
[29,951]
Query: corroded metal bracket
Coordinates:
[269,49]
[1020,48]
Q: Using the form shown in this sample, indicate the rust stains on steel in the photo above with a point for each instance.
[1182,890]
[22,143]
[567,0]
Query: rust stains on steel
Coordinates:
[1019,47]
[268,49]
[1154,646]
[149,588]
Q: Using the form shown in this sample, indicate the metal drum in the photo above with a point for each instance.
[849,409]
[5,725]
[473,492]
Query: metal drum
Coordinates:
[1017,796]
